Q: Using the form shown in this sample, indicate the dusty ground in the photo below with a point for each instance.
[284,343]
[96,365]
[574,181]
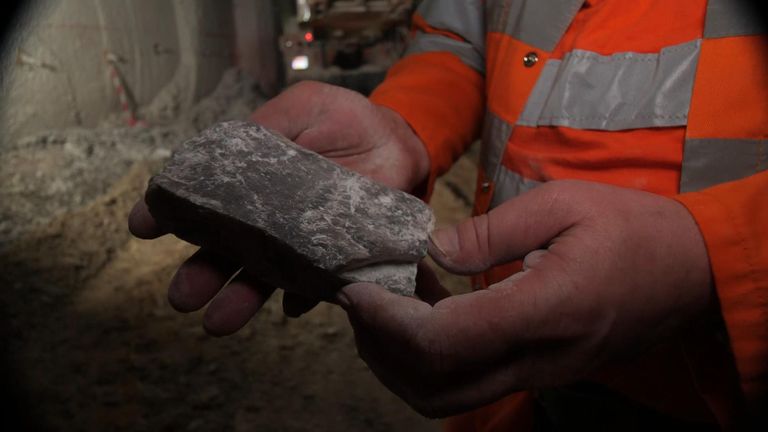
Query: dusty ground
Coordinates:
[92,344]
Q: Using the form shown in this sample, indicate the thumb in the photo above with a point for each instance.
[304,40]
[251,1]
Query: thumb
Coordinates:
[506,233]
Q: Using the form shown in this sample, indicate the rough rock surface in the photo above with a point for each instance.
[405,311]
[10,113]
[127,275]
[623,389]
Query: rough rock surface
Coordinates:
[289,215]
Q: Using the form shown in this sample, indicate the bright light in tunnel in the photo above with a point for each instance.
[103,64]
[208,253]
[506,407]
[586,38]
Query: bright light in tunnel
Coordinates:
[300,63]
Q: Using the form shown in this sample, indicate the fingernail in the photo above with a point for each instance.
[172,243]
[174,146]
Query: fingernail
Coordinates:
[355,294]
[443,242]
[342,299]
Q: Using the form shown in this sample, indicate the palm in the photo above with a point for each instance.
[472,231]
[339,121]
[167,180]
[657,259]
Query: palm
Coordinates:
[344,126]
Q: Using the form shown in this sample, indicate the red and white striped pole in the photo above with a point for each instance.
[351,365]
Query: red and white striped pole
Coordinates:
[117,83]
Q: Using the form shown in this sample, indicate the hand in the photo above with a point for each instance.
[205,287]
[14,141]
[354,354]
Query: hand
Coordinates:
[607,272]
[337,123]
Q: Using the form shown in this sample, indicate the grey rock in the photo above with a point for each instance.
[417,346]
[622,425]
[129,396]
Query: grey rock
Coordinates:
[292,217]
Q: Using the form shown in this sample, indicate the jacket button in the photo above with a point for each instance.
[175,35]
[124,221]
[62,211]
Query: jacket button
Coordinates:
[485,186]
[530,59]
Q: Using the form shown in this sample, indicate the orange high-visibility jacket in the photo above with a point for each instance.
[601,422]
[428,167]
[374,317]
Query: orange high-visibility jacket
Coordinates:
[669,97]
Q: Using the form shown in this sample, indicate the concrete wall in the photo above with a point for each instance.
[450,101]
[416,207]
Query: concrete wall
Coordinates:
[169,53]
[258,25]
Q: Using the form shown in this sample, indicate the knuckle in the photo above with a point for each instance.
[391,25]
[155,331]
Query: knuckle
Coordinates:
[474,241]
[482,228]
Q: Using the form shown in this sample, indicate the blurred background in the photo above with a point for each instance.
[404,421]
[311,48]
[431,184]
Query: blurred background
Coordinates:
[96,94]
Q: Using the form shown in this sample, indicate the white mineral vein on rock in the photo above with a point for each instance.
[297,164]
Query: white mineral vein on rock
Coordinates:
[238,183]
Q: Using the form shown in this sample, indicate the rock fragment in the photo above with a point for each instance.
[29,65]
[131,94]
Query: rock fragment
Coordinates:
[292,217]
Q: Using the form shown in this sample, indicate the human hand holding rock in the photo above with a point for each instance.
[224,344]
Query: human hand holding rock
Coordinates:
[607,273]
[334,122]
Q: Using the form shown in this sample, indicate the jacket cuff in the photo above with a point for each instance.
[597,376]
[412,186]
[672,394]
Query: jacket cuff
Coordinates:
[442,100]
[732,219]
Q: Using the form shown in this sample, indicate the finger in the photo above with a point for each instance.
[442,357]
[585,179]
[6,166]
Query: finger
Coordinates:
[480,328]
[438,396]
[506,233]
[468,391]
[433,393]
[390,371]
[428,287]
[296,305]
[393,319]
[198,280]
[235,305]
[141,223]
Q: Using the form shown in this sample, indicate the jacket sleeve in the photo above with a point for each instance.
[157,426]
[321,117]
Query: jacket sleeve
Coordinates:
[733,218]
[438,87]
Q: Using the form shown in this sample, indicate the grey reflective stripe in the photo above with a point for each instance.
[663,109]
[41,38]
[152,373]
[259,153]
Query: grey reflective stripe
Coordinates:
[727,18]
[711,161]
[509,185]
[496,133]
[617,92]
[539,23]
[542,90]
[463,18]
[435,43]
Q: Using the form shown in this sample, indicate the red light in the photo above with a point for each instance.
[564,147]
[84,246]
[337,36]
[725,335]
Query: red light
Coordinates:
[309,37]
